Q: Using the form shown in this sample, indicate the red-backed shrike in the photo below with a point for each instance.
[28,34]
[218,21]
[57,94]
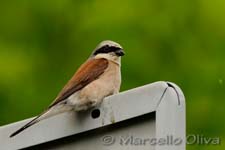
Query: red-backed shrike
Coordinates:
[97,78]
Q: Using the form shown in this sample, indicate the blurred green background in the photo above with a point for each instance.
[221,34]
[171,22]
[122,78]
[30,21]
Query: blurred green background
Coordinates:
[42,43]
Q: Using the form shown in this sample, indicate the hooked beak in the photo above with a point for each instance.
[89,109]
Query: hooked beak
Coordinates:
[120,52]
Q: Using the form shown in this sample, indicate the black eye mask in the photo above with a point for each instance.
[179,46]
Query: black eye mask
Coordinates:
[106,49]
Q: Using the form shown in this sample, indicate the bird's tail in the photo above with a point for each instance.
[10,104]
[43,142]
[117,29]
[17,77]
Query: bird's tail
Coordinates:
[35,120]
[46,114]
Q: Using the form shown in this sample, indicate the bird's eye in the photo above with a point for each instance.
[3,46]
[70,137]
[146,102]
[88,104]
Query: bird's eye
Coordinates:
[107,49]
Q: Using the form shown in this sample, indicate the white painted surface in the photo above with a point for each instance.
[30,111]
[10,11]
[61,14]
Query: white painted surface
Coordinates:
[167,101]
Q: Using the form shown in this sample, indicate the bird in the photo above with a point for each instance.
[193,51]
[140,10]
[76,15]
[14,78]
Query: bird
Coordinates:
[98,77]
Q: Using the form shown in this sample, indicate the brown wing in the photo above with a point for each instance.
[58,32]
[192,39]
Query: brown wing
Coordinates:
[87,73]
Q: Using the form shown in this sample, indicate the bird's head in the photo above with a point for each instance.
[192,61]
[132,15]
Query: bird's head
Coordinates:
[108,48]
